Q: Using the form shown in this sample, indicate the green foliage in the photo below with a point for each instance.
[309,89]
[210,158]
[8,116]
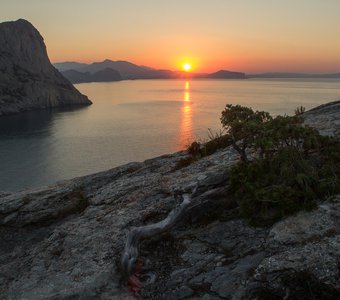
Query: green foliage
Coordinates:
[269,189]
[215,144]
[216,141]
[243,126]
[194,149]
[285,166]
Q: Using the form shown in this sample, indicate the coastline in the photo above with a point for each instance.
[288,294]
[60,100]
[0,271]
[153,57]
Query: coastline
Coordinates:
[66,240]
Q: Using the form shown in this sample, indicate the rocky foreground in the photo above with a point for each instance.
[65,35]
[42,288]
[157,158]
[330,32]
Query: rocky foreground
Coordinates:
[27,78]
[66,241]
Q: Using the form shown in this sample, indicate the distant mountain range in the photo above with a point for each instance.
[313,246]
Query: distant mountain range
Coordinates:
[109,70]
[79,72]
[104,75]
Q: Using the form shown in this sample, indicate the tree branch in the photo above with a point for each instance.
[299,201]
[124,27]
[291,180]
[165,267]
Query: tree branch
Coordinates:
[130,253]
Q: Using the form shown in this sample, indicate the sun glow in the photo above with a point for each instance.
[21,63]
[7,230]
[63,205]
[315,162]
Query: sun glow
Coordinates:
[186,64]
[186,67]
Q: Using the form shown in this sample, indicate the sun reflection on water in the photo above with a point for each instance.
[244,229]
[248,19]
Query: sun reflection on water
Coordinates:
[186,135]
[187,97]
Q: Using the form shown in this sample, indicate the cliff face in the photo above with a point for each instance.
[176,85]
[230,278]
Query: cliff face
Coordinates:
[66,241]
[27,78]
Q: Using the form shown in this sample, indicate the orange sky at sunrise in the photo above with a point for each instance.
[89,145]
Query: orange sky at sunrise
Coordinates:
[249,36]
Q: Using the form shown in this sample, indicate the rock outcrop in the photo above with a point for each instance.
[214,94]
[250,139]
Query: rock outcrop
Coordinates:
[27,78]
[325,118]
[66,241]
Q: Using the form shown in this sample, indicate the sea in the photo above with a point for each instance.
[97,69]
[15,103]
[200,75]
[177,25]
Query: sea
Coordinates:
[136,120]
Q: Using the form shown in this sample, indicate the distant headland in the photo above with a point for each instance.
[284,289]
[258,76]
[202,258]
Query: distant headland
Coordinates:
[109,70]
[103,71]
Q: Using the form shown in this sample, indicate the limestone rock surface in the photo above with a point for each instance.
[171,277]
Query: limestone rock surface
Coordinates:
[65,241]
[27,78]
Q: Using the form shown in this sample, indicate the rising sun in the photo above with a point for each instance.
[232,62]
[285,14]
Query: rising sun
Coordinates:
[187,67]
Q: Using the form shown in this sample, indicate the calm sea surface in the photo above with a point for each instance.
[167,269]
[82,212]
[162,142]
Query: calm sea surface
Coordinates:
[133,121]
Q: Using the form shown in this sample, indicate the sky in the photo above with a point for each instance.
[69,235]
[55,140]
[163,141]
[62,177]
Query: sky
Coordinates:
[244,35]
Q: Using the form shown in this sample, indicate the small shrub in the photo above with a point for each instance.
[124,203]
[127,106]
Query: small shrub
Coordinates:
[215,144]
[290,166]
[243,126]
[194,149]
[299,111]
[269,189]
[217,140]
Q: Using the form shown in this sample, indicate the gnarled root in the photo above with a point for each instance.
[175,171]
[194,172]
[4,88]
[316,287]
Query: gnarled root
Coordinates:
[190,201]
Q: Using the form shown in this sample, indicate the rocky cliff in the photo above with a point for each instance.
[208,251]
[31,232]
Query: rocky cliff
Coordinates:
[27,78]
[66,241]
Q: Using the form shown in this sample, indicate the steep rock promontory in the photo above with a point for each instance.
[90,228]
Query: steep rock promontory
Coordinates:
[66,241]
[27,78]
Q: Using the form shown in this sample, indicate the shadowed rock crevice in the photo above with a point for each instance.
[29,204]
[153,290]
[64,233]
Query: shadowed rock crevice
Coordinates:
[296,285]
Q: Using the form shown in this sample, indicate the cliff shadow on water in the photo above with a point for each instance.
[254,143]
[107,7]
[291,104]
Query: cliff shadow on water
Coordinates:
[27,146]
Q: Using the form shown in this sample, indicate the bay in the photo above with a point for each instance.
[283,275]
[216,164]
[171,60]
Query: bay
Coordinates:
[134,121]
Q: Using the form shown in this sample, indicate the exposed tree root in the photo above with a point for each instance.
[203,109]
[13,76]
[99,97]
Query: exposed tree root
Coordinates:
[190,201]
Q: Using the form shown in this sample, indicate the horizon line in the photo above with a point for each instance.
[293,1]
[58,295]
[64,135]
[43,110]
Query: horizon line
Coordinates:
[206,72]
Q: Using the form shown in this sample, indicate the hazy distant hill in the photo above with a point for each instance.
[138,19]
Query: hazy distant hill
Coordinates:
[104,75]
[126,69]
[70,65]
[223,74]
[76,77]
[79,72]
[293,75]
[107,74]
